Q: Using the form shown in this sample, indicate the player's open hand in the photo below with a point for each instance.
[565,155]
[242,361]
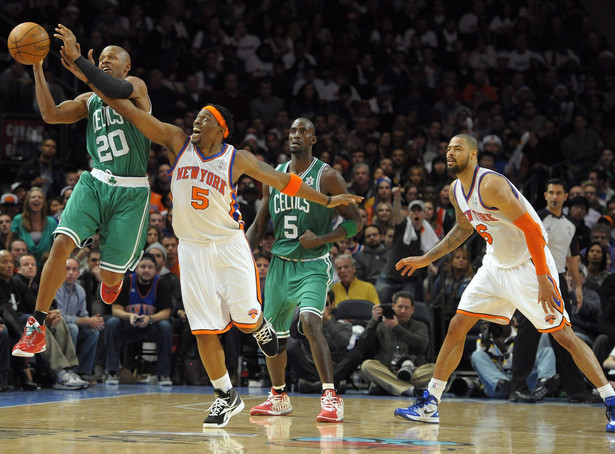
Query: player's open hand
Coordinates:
[71,46]
[411,264]
[548,295]
[344,199]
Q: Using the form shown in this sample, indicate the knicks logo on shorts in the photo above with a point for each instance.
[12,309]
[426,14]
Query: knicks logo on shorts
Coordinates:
[253,313]
[550,319]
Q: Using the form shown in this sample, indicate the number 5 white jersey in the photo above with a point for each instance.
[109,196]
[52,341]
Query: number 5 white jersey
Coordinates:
[506,245]
[204,202]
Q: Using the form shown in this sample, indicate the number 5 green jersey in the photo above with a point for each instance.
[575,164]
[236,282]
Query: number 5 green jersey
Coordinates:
[113,143]
[292,216]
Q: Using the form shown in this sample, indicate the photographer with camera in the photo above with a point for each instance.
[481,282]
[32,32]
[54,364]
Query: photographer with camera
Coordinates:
[493,359]
[141,313]
[398,344]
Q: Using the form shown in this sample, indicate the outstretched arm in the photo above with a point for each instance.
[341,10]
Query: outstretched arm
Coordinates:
[460,232]
[246,162]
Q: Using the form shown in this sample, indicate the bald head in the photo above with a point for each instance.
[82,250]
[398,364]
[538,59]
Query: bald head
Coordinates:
[470,140]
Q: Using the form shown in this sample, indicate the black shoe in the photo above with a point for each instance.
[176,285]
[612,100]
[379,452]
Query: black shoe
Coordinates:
[375,390]
[267,339]
[522,396]
[504,386]
[225,406]
[308,387]
[584,397]
[546,386]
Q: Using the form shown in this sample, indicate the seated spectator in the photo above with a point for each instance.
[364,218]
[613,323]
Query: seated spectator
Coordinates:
[596,260]
[370,261]
[60,357]
[300,360]
[453,277]
[492,361]
[16,305]
[349,286]
[17,248]
[397,343]
[585,321]
[83,328]
[33,225]
[170,243]
[5,231]
[154,235]
[43,171]
[141,313]
[9,205]
[576,210]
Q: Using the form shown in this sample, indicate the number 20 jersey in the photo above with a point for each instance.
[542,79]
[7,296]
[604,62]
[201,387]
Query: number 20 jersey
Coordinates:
[506,245]
[205,205]
[113,143]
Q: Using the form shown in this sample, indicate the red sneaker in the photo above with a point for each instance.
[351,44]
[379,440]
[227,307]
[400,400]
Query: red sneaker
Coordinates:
[32,340]
[110,294]
[275,405]
[332,407]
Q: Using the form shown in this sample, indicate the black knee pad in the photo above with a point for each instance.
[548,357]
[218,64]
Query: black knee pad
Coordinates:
[281,345]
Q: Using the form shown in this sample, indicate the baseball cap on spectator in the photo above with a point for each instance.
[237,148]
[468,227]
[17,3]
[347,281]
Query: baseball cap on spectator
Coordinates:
[579,200]
[158,246]
[608,220]
[562,88]
[606,54]
[250,137]
[416,203]
[491,138]
[19,184]
[66,188]
[8,199]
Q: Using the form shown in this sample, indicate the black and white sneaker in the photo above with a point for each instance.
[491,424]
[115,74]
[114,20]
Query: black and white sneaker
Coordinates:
[225,406]
[267,339]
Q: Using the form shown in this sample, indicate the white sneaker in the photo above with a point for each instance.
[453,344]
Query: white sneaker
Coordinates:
[112,378]
[64,381]
[77,379]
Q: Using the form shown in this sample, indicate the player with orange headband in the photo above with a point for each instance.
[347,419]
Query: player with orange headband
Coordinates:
[219,279]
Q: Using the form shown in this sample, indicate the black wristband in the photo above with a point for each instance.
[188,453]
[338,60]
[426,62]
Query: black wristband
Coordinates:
[328,201]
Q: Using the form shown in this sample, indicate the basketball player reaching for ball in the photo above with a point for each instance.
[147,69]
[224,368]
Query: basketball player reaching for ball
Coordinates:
[300,270]
[518,272]
[112,199]
[219,279]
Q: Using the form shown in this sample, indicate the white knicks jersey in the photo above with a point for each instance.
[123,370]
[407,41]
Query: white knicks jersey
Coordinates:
[205,206]
[506,245]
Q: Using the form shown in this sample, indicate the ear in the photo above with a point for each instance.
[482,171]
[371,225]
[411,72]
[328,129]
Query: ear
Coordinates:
[314,140]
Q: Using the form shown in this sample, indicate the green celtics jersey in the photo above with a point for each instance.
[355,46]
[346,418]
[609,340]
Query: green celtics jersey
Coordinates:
[113,143]
[292,216]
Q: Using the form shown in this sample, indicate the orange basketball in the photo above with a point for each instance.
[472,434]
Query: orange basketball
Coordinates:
[28,43]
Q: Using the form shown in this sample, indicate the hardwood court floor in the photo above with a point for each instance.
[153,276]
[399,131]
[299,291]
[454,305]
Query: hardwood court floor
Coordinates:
[135,419]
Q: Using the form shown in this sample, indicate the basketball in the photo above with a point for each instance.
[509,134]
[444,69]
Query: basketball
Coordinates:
[28,43]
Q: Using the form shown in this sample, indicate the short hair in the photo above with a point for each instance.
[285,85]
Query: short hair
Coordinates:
[148,256]
[373,226]
[346,257]
[27,254]
[402,294]
[558,182]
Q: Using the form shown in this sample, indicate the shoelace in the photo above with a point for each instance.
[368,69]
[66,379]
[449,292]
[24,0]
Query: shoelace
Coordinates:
[217,407]
[329,402]
[420,402]
[264,334]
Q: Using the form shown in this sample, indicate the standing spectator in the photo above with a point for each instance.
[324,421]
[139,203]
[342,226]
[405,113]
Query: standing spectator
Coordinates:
[84,329]
[141,313]
[44,171]
[33,225]
[371,260]
[413,235]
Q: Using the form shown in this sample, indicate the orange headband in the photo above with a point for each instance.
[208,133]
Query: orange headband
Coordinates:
[219,118]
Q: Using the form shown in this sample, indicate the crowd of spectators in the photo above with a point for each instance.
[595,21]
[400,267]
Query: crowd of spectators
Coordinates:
[386,84]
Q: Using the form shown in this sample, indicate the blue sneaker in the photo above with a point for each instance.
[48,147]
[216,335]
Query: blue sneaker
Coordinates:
[425,409]
[610,413]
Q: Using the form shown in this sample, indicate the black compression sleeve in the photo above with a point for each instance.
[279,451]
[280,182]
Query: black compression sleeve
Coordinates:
[110,86]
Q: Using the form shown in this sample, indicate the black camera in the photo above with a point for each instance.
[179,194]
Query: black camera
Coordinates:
[407,368]
[387,310]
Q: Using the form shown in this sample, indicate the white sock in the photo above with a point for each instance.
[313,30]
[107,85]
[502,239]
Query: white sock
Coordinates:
[223,383]
[436,388]
[326,386]
[606,391]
